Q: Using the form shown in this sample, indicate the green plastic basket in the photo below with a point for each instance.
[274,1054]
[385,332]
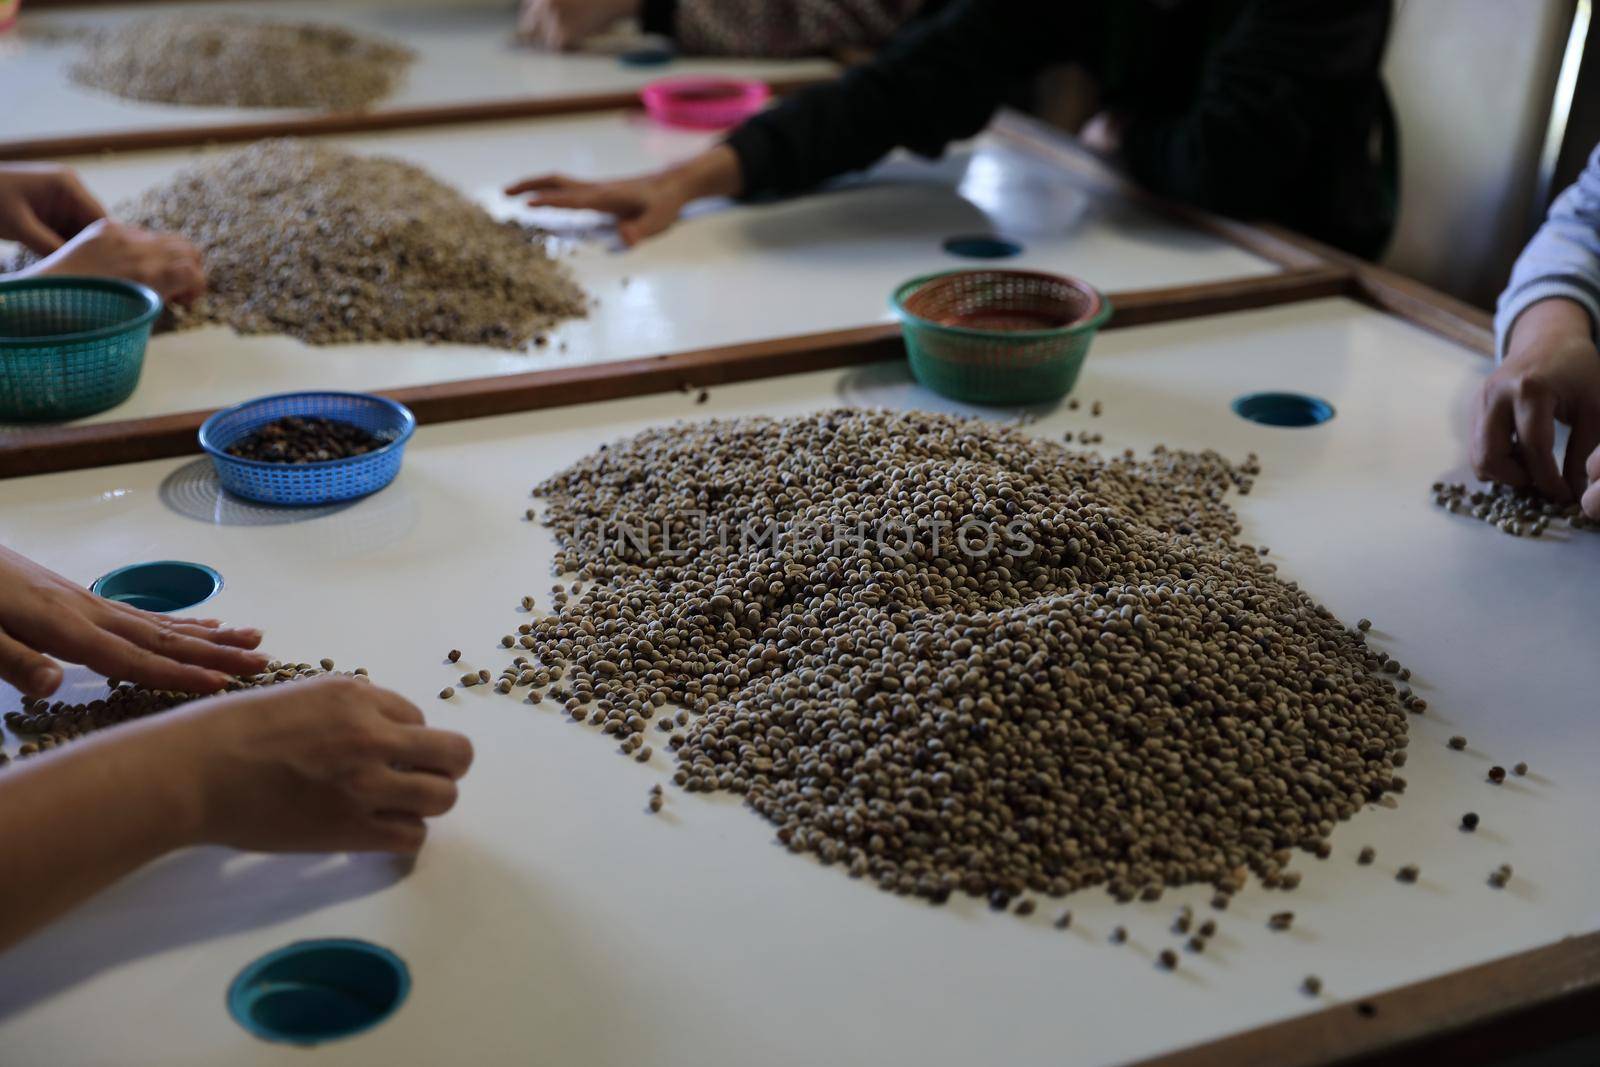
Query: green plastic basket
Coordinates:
[998,336]
[71,346]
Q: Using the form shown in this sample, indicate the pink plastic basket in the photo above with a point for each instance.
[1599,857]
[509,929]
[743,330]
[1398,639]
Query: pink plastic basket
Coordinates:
[701,103]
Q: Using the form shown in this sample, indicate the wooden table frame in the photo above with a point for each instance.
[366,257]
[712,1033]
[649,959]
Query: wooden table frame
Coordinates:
[1471,1016]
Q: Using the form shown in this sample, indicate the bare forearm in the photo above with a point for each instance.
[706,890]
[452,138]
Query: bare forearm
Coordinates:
[714,172]
[79,818]
[1553,320]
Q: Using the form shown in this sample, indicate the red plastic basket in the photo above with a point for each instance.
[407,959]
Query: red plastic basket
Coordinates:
[701,103]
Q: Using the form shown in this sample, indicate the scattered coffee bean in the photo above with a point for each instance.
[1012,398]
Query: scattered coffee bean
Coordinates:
[1119,934]
[1311,986]
[1364,625]
[1519,512]
[1366,855]
[54,723]
[1520,769]
[1457,742]
[1408,874]
[1168,959]
[1064,920]
[1469,821]
[1025,906]
[453,655]
[1497,774]
[1500,876]
[1280,920]
[446,693]
[1208,928]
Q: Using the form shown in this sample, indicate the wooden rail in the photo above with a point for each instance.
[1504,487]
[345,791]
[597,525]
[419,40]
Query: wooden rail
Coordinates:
[55,448]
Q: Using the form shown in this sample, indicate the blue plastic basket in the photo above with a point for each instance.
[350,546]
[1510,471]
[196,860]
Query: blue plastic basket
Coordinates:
[298,484]
[71,346]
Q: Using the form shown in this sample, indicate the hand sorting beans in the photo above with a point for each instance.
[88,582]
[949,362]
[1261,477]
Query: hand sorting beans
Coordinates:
[54,723]
[1519,512]
[305,439]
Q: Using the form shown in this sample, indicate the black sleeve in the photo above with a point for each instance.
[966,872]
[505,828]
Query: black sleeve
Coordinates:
[1290,82]
[657,16]
[937,81]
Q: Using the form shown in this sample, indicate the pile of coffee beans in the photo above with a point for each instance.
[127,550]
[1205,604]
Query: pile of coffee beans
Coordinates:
[305,439]
[307,240]
[1519,512]
[48,724]
[1070,673]
[232,61]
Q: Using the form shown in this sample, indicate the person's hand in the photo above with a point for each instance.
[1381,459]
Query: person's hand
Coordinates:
[43,615]
[323,764]
[1103,133]
[42,205]
[165,262]
[643,206]
[562,24]
[1551,371]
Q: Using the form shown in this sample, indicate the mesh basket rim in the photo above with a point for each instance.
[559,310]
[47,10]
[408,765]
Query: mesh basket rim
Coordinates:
[78,282]
[408,426]
[1100,306]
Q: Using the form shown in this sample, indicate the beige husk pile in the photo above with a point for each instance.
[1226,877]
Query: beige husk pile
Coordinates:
[230,61]
[307,240]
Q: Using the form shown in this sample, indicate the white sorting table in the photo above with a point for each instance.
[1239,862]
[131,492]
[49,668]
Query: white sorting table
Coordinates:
[466,54]
[729,275]
[550,920]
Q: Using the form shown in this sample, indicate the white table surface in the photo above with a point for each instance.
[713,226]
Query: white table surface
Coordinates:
[465,53]
[731,274]
[550,920]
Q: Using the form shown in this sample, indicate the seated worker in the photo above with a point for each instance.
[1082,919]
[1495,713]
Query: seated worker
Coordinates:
[770,28]
[45,208]
[1257,108]
[325,764]
[1546,329]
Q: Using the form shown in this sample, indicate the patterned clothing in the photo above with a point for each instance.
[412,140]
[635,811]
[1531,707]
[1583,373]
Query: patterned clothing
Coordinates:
[776,28]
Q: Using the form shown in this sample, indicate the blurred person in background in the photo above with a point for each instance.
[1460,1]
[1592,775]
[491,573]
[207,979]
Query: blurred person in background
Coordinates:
[1264,109]
[47,210]
[769,28]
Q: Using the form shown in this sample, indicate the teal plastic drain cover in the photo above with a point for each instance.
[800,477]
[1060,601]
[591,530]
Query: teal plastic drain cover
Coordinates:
[982,246]
[315,991]
[1283,409]
[164,585]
